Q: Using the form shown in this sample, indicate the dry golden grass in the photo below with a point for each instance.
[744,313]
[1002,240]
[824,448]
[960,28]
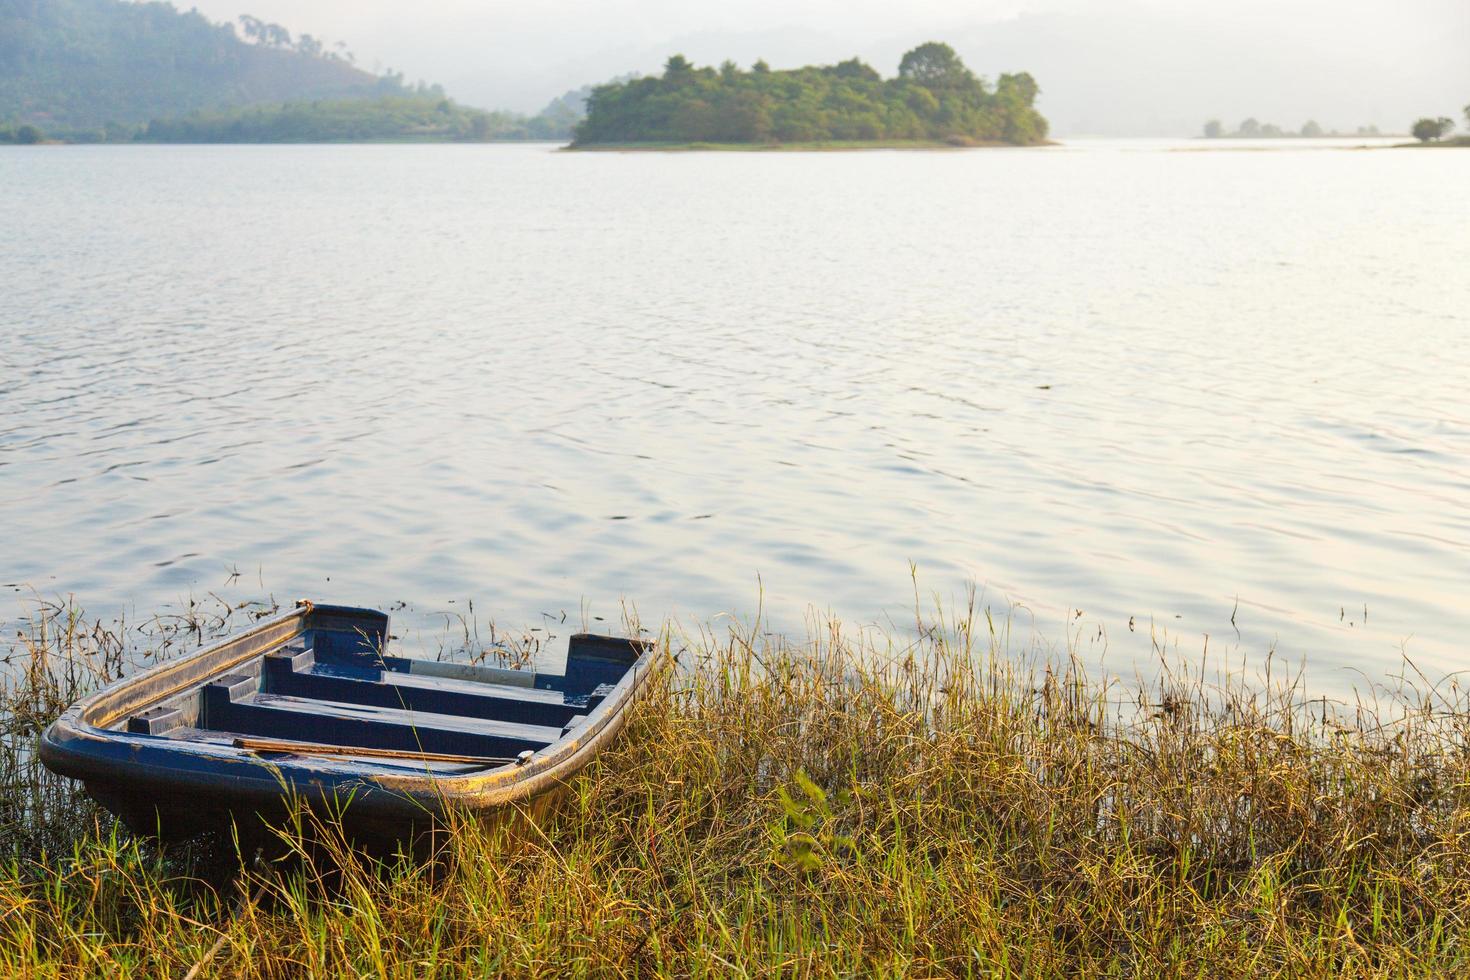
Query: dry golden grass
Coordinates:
[837,806]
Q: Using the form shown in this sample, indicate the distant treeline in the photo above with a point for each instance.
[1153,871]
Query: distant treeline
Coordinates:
[24,135]
[1255,129]
[417,115]
[425,116]
[935,98]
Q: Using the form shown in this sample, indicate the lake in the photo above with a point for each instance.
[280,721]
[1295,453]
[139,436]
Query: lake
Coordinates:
[1136,392]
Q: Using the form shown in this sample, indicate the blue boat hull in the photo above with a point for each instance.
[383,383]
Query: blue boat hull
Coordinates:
[307,709]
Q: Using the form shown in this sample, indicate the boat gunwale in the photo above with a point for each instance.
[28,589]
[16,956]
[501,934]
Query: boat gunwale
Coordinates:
[69,744]
[84,709]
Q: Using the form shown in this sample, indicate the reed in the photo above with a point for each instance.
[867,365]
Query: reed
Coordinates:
[850,803]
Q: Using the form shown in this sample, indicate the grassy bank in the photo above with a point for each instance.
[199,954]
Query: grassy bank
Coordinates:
[837,805]
[1456,141]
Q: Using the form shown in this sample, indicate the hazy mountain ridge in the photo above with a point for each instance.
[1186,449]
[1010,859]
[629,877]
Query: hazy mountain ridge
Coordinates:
[1131,68]
[79,65]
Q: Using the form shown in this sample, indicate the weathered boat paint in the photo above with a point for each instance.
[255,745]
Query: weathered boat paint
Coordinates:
[206,742]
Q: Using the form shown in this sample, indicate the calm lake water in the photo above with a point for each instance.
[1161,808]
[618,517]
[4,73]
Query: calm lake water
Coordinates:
[1109,383]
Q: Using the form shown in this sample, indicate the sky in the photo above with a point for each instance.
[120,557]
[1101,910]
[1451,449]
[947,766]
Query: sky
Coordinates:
[1132,67]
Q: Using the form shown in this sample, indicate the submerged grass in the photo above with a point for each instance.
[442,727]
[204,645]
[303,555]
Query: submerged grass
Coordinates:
[850,803]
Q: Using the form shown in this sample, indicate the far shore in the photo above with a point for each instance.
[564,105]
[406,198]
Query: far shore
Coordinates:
[1299,136]
[1462,142]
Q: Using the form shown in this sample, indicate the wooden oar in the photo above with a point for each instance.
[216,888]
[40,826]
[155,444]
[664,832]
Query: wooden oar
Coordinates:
[314,748]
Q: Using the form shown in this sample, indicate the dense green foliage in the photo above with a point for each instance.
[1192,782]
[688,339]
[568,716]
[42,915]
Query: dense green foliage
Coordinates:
[80,67]
[408,117]
[935,98]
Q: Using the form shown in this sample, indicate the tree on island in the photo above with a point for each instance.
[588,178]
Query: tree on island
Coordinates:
[1214,130]
[1428,130]
[933,65]
[935,98]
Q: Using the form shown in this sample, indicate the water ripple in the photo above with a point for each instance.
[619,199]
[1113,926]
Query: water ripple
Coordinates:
[1093,380]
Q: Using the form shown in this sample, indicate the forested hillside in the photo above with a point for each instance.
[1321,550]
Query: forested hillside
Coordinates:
[935,98]
[75,66]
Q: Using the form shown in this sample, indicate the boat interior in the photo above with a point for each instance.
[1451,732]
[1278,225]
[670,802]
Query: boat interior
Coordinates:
[330,692]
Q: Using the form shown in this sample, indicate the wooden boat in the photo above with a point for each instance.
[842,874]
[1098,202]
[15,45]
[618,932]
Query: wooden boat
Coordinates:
[308,706]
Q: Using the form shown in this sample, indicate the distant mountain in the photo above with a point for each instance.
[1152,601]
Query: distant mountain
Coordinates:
[1135,68]
[1118,68]
[76,66]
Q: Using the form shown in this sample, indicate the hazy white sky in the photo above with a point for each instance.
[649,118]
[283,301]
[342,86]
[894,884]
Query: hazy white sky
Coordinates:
[1135,66]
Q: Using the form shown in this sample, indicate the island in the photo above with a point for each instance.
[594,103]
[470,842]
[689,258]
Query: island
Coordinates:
[935,101]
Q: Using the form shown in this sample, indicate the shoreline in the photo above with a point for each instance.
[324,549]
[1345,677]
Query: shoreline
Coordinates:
[1456,143]
[832,146]
[1298,136]
[865,803]
[362,142]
